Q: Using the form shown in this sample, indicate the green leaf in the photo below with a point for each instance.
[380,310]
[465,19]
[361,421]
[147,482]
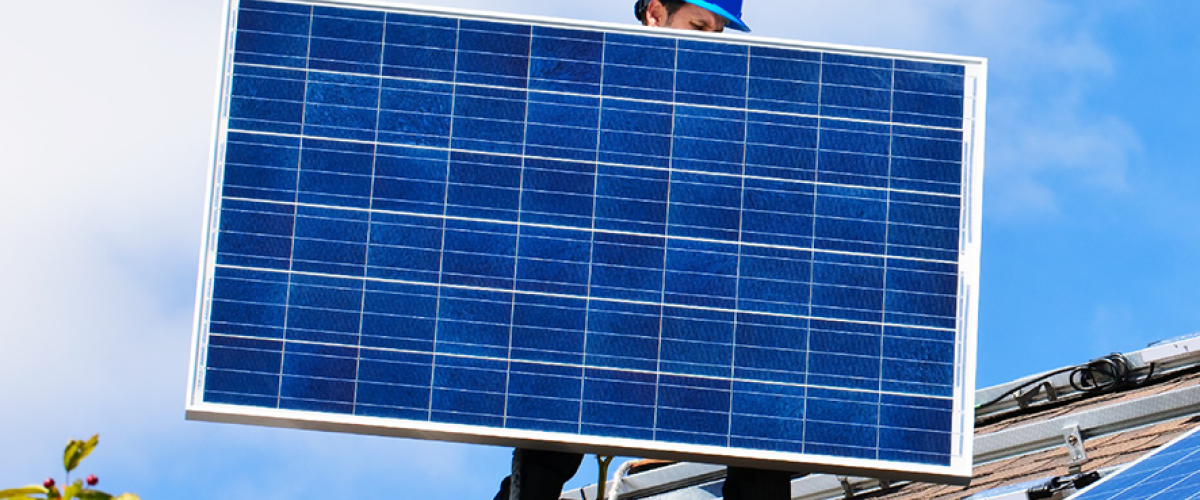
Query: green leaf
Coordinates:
[77,450]
[89,446]
[22,491]
[94,495]
[73,490]
[71,454]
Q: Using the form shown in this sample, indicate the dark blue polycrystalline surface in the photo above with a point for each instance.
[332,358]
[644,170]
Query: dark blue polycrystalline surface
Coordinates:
[589,233]
[1170,473]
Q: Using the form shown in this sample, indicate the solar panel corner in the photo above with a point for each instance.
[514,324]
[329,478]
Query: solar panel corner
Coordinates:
[1168,472]
[717,380]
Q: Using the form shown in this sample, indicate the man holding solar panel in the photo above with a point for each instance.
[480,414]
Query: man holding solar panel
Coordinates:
[542,474]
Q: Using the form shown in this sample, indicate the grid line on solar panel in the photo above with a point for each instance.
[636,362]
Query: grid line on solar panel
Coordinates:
[563,296]
[778,188]
[604,231]
[696,171]
[946,285]
[334,344]
[760,113]
[617,65]
[887,225]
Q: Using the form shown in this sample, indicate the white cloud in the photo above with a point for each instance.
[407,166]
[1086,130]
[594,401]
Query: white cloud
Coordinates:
[103,197]
[1046,135]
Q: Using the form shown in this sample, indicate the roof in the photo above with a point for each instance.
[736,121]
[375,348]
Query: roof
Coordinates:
[1027,433]
[1104,452]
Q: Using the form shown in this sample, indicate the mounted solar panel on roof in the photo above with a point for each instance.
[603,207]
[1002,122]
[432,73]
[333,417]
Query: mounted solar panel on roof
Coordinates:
[1171,472]
[537,232]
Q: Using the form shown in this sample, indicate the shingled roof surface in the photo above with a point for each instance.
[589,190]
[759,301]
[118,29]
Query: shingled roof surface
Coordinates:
[1103,452]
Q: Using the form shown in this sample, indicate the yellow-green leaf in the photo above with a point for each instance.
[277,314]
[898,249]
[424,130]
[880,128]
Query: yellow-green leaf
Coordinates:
[90,445]
[73,490]
[71,454]
[127,496]
[22,491]
[77,450]
[94,495]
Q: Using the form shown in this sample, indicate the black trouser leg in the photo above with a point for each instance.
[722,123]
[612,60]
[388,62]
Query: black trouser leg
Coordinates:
[757,484]
[541,474]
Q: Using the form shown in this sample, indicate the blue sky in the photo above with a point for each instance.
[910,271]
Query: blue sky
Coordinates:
[1090,222]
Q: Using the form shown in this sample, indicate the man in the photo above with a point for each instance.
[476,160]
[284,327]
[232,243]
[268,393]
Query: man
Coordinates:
[699,15]
[543,473]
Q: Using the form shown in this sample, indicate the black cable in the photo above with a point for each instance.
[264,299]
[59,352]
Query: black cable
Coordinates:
[1106,374]
[1021,387]
[1063,484]
[1097,376]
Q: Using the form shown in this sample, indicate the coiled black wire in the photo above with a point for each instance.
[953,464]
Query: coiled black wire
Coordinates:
[1097,376]
[1105,374]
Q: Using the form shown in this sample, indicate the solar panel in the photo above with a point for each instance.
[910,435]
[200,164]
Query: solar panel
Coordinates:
[536,232]
[1171,472]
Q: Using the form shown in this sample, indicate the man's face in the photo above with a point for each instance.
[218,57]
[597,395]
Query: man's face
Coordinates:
[688,17]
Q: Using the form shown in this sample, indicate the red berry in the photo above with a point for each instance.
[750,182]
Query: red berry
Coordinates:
[49,482]
[92,480]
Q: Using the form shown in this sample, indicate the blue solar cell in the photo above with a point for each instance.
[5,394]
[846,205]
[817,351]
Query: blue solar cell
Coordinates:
[229,386]
[1170,472]
[512,225]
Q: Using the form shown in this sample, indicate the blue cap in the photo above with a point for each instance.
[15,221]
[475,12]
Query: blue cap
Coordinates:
[731,10]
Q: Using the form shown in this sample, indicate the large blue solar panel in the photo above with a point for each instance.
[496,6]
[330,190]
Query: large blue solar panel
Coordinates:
[1171,472]
[528,231]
